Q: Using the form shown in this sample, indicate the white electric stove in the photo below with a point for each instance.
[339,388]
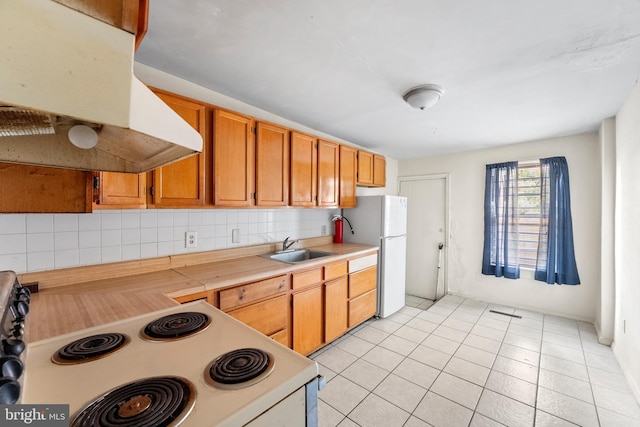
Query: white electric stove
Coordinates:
[163,363]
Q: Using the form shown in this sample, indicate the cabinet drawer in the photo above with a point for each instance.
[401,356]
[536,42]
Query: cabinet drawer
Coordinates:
[333,271]
[362,308]
[362,281]
[282,337]
[306,278]
[250,292]
[363,262]
[268,317]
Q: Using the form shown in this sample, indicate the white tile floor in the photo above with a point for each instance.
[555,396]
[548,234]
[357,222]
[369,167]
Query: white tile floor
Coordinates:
[457,364]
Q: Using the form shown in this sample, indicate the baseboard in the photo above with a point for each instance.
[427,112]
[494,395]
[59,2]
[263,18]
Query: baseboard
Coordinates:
[601,338]
[635,388]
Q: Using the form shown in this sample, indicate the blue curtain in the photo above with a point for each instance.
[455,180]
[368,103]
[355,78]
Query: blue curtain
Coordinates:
[556,262]
[500,255]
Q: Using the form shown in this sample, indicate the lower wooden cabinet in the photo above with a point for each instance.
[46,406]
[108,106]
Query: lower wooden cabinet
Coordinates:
[263,305]
[308,315]
[362,308]
[335,308]
[303,310]
[269,317]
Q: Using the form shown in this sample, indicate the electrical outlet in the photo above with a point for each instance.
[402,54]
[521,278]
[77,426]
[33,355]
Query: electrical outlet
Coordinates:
[323,230]
[235,235]
[190,239]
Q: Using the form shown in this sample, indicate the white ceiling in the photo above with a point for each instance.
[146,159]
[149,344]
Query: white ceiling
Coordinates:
[512,70]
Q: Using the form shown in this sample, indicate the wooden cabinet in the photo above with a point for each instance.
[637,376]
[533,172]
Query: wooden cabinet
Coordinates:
[183,183]
[371,169]
[233,159]
[272,165]
[269,317]
[113,190]
[314,171]
[379,171]
[303,309]
[365,168]
[336,308]
[328,173]
[308,317]
[348,172]
[263,305]
[40,189]
[304,170]
[363,279]
[251,292]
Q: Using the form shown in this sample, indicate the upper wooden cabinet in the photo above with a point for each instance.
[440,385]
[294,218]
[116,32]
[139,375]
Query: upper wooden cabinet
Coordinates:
[365,168]
[379,171]
[233,159]
[39,189]
[113,190]
[183,183]
[328,173]
[272,165]
[371,169]
[348,168]
[304,170]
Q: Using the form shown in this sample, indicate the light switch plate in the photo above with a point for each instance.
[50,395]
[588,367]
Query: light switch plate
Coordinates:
[235,235]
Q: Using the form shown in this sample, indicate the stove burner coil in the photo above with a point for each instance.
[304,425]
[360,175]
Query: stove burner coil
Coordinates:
[239,368]
[175,326]
[150,402]
[90,348]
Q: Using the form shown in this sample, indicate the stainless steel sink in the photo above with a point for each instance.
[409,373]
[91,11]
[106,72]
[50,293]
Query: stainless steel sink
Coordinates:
[297,255]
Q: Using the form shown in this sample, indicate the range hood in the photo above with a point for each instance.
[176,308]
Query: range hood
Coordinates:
[63,67]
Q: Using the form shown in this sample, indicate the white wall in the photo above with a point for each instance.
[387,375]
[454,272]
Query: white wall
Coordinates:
[627,239]
[467,172]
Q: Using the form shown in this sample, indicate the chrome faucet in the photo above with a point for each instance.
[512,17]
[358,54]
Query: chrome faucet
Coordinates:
[287,244]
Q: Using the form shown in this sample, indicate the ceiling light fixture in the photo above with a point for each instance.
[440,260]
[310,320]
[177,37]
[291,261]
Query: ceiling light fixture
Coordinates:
[83,136]
[423,96]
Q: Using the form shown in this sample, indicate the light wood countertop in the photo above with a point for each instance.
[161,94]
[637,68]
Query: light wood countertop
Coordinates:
[62,309]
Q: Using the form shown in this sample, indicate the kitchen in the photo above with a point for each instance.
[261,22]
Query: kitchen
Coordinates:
[606,296]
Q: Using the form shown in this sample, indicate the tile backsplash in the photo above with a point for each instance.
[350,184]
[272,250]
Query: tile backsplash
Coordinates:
[36,242]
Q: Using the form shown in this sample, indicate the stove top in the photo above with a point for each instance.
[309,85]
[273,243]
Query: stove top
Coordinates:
[219,340]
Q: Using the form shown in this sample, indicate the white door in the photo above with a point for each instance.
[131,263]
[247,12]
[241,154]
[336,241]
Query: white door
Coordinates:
[426,230]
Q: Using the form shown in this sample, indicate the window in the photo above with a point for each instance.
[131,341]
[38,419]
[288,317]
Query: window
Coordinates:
[528,209]
[527,221]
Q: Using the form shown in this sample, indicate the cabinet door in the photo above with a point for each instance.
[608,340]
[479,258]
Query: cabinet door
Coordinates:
[348,165]
[365,168]
[304,164]
[233,159]
[307,320]
[335,308]
[362,308]
[269,316]
[272,165]
[120,190]
[328,173]
[183,183]
[379,171]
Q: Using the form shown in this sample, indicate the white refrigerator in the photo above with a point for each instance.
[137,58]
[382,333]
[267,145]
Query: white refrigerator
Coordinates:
[382,221]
